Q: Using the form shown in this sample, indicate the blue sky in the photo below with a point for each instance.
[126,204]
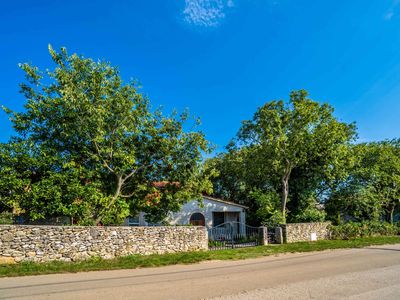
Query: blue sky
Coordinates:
[222,58]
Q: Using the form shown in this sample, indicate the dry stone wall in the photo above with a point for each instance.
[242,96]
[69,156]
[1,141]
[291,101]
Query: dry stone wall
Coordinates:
[70,243]
[303,232]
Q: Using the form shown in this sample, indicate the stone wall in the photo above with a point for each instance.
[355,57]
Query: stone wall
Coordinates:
[69,243]
[303,232]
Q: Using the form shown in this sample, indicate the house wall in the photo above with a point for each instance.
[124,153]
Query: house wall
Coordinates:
[69,243]
[142,220]
[206,208]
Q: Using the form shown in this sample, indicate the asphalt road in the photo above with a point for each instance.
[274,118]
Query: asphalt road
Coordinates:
[369,273]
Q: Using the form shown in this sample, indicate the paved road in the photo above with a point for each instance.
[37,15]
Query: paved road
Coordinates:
[370,273]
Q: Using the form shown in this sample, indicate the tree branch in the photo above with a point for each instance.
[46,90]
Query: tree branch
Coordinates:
[113,199]
[135,171]
[101,157]
[127,196]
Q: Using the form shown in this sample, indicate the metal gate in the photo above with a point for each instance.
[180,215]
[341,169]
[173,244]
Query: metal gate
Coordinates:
[271,236]
[232,235]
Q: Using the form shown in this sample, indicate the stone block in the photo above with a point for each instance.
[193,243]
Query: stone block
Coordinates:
[7,260]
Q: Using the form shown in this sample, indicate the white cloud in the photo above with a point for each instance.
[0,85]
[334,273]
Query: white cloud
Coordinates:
[206,13]
[390,13]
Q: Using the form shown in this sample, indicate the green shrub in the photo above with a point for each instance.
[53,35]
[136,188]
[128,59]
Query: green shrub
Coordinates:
[310,214]
[212,244]
[353,230]
[268,207]
[6,218]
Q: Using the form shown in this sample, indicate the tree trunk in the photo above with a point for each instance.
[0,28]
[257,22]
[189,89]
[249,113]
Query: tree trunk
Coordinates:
[285,192]
[113,199]
[391,212]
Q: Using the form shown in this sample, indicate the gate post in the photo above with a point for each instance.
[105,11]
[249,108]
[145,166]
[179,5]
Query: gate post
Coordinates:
[279,235]
[263,235]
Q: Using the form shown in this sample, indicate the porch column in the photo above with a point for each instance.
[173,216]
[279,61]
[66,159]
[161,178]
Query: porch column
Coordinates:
[242,217]
[242,220]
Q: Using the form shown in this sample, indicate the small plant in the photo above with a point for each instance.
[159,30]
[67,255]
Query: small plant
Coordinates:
[247,239]
[215,244]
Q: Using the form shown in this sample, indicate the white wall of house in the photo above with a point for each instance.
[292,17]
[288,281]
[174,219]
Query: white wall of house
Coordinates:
[207,208]
[138,220]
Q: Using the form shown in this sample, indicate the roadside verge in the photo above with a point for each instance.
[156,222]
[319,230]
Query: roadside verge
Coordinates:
[140,261]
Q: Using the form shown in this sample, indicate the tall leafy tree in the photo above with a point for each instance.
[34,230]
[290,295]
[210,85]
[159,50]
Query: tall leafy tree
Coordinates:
[385,179]
[91,147]
[231,182]
[372,189]
[301,134]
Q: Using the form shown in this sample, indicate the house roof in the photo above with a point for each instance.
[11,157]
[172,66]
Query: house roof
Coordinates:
[163,184]
[224,201]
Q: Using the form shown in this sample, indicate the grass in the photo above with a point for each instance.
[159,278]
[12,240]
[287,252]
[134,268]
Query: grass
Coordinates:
[139,261]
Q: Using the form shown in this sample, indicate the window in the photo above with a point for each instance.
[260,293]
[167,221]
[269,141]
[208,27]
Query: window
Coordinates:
[197,219]
[218,218]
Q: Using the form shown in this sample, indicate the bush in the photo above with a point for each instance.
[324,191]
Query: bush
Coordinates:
[268,208]
[6,218]
[310,214]
[353,230]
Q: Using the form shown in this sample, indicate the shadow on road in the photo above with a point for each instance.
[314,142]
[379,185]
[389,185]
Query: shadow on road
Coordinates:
[386,249]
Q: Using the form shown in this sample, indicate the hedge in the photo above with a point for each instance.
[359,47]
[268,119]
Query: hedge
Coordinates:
[353,230]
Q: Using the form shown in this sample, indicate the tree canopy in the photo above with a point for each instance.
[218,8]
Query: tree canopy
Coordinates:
[372,188]
[298,142]
[90,146]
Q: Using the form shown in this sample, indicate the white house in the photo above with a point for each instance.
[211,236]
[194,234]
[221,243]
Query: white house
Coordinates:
[210,213]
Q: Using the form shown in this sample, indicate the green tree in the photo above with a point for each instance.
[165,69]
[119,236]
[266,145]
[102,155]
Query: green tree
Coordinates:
[89,146]
[355,201]
[301,134]
[231,182]
[267,207]
[372,188]
[382,171]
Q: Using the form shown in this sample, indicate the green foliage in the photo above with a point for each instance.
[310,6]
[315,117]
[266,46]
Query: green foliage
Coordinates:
[353,230]
[310,214]
[296,144]
[215,244]
[89,146]
[288,136]
[300,151]
[372,188]
[305,207]
[6,217]
[232,178]
[353,202]
[267,212]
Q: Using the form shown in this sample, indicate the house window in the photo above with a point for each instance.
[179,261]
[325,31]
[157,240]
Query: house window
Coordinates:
[197,219]
[218,218]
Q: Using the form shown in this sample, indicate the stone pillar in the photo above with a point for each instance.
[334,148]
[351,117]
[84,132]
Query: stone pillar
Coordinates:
[263,235]
[205,239]
[279,235]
